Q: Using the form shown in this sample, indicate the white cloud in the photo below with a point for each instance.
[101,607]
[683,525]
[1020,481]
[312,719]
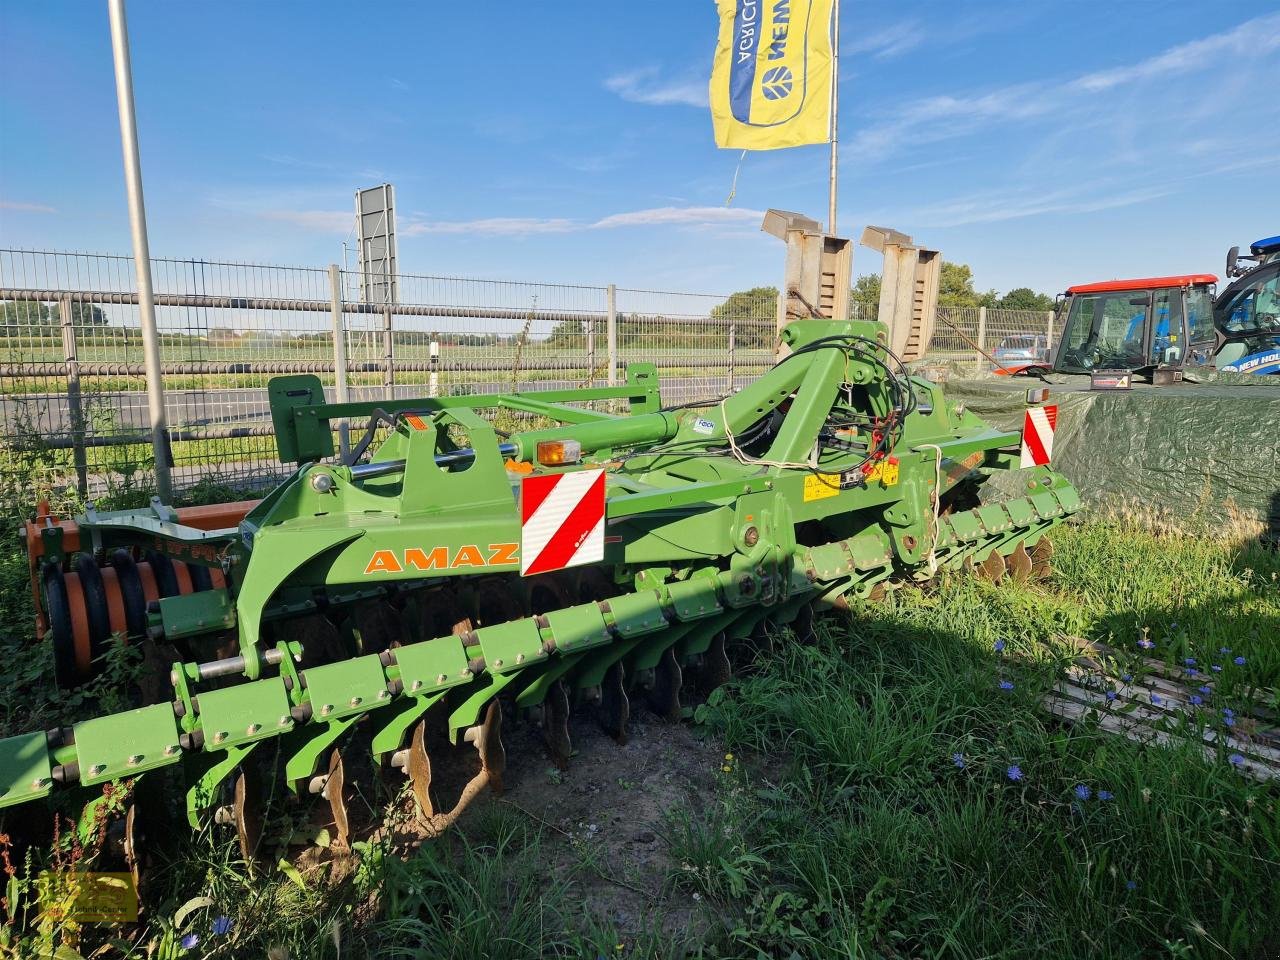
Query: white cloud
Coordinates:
[650,85]
[997,206]
[1250,39]
[891,41]
[337,222]
[26,207]
[491,226]
[697,217]
[321,221]
[685,216]
[934,119]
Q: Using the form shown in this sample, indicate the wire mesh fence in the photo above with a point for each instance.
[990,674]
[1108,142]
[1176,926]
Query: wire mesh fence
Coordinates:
[74,421]
[980,339]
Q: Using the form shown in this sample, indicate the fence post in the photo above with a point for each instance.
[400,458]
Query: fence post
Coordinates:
[433,377]
[75,410]
[1048,332]
[591,351]
[388,352]
[341,391]
[733,351]
[611,334]
[982,338]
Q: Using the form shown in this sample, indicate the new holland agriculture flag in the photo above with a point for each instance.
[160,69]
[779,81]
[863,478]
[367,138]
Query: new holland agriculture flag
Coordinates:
[771,80]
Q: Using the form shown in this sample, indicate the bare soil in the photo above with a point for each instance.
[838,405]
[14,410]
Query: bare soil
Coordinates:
[604,819]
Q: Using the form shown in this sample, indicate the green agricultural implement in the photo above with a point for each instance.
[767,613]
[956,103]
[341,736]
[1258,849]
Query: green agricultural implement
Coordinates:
[520,555]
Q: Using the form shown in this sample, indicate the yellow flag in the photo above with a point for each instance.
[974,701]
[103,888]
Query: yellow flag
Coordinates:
[771,80]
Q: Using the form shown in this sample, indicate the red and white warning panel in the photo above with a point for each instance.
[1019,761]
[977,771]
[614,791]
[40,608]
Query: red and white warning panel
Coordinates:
[561,521]
[1037,435]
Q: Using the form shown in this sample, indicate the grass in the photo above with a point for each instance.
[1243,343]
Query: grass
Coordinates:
[864,808]
[895,827]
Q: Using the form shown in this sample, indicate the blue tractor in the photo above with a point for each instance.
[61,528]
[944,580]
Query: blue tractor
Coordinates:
[1247,313]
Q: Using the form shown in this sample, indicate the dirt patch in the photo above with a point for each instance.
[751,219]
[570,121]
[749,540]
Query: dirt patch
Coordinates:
[603,819]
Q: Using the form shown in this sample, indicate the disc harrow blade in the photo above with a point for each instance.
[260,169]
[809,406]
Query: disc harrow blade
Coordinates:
[992,569]
[1019,564]
[664,696]
[334,791]
[717,670]
[1041,559]
[555,719]
[486,737]
[615,707]
[418,767]
[247,812]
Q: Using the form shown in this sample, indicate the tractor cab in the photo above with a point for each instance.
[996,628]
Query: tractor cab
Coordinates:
[1137,325]
[1247,314]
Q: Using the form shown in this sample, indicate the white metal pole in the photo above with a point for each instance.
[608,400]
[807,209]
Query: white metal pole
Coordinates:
[338,316]
[835,119]
[141,250]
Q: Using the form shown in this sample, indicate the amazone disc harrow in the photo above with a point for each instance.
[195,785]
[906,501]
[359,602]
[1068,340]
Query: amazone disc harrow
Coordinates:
[382,617]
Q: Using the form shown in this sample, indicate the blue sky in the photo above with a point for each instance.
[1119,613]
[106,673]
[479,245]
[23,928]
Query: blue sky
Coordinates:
[1043,142]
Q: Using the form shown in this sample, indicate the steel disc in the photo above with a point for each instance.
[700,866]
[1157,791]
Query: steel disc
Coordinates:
[1019,564]
[615,708]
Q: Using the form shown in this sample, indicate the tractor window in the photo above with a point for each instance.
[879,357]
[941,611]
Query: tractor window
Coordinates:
[1166,338]
[1254,309]
[1104,330]
[1200,315]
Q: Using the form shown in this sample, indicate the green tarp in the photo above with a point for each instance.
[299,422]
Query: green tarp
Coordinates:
[1208,450]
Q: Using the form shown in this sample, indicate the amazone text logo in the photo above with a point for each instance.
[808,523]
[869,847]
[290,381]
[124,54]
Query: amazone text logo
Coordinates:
[440,558]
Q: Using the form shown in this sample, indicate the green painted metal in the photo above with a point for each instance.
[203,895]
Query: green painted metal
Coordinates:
[126,744]
[817,481]
[27,766]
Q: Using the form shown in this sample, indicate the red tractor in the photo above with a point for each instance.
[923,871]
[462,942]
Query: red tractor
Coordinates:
[1166,324]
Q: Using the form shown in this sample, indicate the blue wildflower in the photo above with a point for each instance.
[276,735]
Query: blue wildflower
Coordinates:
[1206,690]
[1228,721]
[1239,661]
[1082,791]
[1190,661]
[1131,884]
[1146,643]
[999,646]
[1111,695]
[1191,672]
[190,941]
[1224,649]
[1006,684]
[1127,677]
[1196,700]
[1215,668]
[1155,698]
[1105,794]
[221,926]
[1236,759]
[1014,772]
[958,760]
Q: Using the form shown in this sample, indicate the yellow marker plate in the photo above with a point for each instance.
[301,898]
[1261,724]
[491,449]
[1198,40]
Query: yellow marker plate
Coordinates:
[883,472]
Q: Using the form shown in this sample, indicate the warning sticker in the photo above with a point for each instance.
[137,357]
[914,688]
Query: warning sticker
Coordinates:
[886,472]
[819,486]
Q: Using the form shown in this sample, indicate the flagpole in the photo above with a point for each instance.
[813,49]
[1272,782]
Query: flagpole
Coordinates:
[835,120]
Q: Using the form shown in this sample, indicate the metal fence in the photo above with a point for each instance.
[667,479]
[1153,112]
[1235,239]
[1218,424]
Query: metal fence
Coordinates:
[960,331]
[74,422]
